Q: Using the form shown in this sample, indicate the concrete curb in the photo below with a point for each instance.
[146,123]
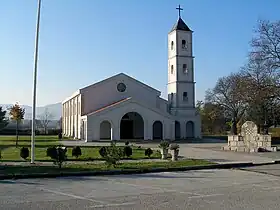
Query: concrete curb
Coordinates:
[135,171]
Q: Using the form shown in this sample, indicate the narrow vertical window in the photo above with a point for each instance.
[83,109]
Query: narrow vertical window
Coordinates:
[172,69]
[185,69]
[172,45]
[184,46]
[185,96]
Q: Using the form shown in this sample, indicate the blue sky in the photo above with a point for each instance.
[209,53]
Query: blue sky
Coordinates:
[85,41]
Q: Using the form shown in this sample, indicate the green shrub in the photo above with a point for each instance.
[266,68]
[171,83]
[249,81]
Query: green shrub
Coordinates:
[148,152]
[127,151]
[103,151]
[113,155]
[76,152]
[61,156]
[51,152]
[164,144]
[126,143]
[24,152]
[57,154]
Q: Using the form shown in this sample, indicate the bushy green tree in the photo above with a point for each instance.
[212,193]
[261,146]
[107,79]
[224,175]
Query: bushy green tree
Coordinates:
[17,115]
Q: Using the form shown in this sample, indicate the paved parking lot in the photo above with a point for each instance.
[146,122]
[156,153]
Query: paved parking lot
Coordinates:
[266,169]
[207,189]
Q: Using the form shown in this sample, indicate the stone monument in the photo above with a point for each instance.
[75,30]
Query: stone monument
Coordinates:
[249,140]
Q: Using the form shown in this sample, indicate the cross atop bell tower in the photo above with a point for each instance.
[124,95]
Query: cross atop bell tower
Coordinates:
[179,10]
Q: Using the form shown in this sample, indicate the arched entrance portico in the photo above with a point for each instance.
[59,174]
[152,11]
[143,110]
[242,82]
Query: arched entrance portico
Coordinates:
[190,129]
[157,130]
[132,126]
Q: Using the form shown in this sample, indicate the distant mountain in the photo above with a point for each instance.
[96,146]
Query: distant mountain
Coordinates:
[54,109]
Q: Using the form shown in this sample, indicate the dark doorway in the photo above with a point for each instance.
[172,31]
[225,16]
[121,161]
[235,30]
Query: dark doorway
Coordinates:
[132,126]
[157,130]
[177,130]
[190,129]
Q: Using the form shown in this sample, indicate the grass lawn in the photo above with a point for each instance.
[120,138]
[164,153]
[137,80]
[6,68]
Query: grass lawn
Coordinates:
[26,140]
[6,170]
[88,153]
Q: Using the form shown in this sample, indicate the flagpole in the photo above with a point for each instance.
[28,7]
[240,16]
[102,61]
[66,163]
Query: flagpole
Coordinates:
[35,82]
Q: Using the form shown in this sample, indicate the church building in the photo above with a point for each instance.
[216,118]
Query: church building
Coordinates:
[122,107]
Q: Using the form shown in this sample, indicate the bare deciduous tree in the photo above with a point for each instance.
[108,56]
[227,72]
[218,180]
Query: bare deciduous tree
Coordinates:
[45,119]
[262,90]
[266,43]
[228,93]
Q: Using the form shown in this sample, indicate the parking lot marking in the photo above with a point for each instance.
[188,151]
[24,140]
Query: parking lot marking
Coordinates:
[72,196]
[112,205]
[204,196]
[157,188]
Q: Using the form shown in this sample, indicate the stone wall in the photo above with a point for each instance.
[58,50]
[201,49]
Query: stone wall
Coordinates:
[249,140]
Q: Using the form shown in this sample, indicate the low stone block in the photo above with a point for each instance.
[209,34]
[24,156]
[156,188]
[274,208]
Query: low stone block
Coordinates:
[260,144]
[253,149]
[268,144]
[233,148]
[240,149]
[240,144]
[226,148]
[233,143]
[247,149]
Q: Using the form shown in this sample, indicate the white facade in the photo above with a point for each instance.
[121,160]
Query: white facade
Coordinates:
[122,107]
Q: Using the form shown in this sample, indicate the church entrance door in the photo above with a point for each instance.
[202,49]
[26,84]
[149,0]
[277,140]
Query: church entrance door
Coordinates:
[132,126]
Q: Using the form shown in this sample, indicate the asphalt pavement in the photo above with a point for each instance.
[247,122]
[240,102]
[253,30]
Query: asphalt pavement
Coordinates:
[205,189]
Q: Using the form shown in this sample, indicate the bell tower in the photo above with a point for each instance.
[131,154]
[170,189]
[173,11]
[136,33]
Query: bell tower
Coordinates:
[181,85]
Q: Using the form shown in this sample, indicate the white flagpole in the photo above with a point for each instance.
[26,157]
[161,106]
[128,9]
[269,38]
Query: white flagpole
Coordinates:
[35,83]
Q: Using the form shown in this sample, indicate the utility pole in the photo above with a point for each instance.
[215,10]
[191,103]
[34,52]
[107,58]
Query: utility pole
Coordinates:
[35,83]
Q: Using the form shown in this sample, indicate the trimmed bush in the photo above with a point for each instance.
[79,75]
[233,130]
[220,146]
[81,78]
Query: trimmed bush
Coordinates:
[51,152]
[57,154]
[127,151]
[103,151]
[76,152]
[61,156]
[24,152]
[148,152]
[126,143]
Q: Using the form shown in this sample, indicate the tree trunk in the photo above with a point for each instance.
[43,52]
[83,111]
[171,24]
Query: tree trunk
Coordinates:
[234,125]
[17,135]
